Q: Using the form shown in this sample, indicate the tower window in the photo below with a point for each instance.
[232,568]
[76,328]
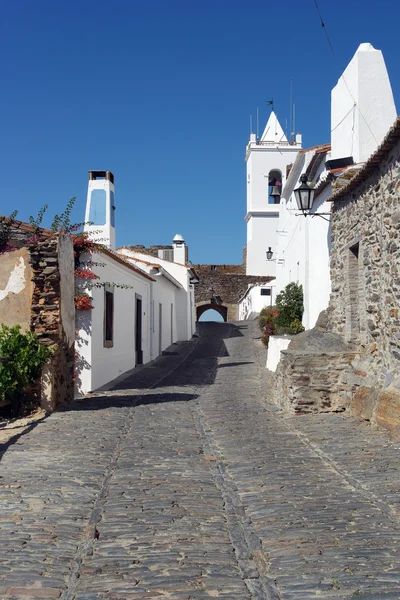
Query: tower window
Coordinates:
[274,186]
[97,213]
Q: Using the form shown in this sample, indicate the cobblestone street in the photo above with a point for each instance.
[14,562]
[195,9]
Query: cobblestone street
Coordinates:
[185,482]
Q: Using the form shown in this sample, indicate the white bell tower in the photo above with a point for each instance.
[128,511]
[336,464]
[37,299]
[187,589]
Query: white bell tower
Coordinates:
[266,161]
[100,208]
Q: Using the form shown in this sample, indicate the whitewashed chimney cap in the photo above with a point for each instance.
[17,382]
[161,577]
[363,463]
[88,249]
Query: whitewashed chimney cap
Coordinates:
[178,238]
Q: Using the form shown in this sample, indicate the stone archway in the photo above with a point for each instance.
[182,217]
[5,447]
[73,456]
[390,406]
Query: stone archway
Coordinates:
[219,308]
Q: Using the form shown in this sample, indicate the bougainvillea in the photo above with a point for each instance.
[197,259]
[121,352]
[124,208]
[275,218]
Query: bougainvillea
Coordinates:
[83,302]
[85,274]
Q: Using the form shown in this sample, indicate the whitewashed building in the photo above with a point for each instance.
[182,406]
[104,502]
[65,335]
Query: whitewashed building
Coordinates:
[256,297]
[142,305]
[173,273]
[266,173]
[362,111]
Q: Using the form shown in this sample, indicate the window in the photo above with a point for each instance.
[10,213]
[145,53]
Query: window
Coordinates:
[108,318]
[97,212]
[274,186]
[112,208]
[265,291]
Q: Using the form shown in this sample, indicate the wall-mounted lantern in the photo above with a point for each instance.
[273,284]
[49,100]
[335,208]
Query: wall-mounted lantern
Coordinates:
[269,253]
[304,195]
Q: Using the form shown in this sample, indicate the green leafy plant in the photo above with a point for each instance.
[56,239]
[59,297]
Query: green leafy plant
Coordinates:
[63,222]
[296,326]
[24,357]
[289,304]
[36,223]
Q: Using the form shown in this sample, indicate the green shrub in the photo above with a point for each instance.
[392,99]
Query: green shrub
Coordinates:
[289,304]
[296,326]
[265,316]
[26,358]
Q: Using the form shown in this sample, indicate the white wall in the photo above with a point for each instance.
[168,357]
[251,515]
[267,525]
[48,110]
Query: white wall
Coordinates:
[261,235]
[254,301]
[97,364]
[363,108]
[275,346]
[303,248]
[164,293]
[186,316]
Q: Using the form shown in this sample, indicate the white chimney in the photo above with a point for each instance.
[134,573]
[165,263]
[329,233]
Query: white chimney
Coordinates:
[179,247]
[100,208]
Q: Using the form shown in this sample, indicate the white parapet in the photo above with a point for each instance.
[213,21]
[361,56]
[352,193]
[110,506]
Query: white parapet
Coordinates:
[275,346]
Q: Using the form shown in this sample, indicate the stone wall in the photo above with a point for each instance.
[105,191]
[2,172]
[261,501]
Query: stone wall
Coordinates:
[351,359]
[226,284]
[365,271]
[319,372]
[37,292]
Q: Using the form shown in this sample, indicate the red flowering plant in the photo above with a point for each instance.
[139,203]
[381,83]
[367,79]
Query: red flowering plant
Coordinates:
[269,327]
[83,302]
[85,274]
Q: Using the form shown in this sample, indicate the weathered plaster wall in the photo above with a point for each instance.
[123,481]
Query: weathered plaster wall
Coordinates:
[16,288]
[37,292]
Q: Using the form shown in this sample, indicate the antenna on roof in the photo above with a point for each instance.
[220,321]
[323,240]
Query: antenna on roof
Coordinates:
[257,122]
[251,124]
[290,111]
[294,121]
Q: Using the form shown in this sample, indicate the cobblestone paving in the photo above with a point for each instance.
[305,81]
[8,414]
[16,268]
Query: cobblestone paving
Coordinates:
[184,482]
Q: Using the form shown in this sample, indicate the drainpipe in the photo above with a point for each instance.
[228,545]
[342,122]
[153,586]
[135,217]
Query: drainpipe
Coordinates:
[306,317]
[151,320]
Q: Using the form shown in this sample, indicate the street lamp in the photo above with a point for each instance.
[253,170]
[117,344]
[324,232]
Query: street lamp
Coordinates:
[304,195]
[269,253]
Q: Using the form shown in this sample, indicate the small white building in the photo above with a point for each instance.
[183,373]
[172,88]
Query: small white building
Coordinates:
[256,297]
[178,272]
[141,304]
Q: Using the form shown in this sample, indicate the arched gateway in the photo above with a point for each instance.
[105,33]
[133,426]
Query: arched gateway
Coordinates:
[202,308]
[221,287]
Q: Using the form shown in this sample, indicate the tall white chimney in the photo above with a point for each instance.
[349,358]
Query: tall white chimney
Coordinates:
[179,246]
[100,208]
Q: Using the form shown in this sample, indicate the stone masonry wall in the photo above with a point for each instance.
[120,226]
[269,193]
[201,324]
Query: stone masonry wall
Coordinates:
[226,283]
[314,383]
[365,274]
[37,292]
[53,316]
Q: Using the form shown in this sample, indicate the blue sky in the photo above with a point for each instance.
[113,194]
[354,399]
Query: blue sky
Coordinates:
[160,93]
